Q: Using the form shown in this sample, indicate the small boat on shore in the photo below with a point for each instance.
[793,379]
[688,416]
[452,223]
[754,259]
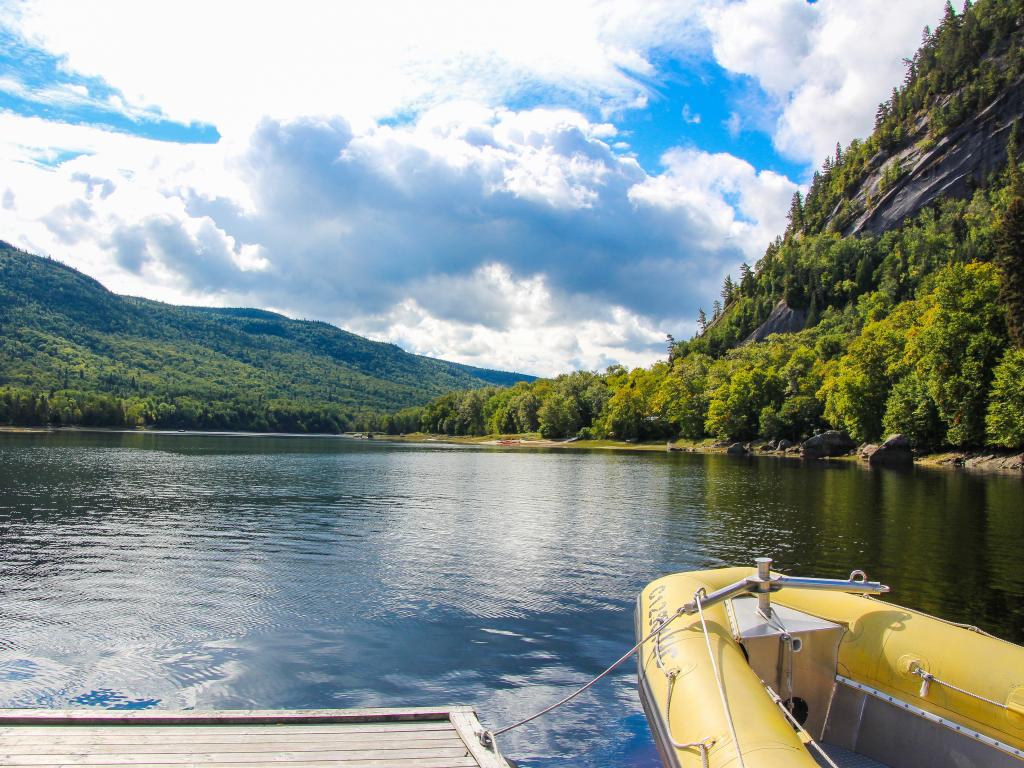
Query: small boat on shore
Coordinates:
[742,667]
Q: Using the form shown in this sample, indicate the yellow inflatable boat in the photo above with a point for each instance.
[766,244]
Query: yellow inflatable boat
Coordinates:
[746,667]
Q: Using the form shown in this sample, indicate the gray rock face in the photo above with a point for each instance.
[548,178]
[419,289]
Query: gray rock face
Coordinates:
[830,443]
[783,319]
[784,444]
[737,449]
[953,167]
[894,452]
[864,450]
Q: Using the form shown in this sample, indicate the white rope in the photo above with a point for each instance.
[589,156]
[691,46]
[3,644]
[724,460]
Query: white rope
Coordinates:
[704,746]
[807,738]
[929,678]
[487,738]
[699,598]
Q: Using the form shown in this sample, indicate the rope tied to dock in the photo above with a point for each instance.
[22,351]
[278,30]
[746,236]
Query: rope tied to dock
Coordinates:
[487,738]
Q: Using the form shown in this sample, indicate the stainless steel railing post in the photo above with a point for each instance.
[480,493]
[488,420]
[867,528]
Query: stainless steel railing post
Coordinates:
[764,589]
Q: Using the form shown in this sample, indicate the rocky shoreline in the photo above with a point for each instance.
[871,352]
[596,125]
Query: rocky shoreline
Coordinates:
[895,451]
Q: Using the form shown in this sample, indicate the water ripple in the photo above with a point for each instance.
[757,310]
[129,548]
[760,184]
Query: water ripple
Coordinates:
[184,571]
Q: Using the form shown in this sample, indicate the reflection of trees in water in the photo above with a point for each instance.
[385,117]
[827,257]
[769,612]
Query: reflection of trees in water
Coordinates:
[946,542]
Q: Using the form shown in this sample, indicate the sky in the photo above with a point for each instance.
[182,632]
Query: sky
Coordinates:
[529,186]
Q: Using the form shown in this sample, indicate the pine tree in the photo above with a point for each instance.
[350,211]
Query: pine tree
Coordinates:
[796,213]
[949,16]
[1010,260]
[702,320]
[746,280]
[1013,160]
[716,310]
[728,290]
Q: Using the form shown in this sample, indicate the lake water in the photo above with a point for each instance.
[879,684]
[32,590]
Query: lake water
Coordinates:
[179,571]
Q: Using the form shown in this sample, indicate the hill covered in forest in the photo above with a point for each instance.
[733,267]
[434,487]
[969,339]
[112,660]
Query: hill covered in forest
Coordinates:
[893,302]
[72,352]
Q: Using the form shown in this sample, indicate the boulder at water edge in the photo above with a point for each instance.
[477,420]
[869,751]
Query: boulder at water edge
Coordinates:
[737,449]
[831,443]
[894,452]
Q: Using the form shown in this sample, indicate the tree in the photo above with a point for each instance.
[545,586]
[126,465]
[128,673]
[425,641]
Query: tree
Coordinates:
[559,416]
[681,396]
[1004,422]
[959,340]
[796,213]
[702,320]
[716,310]
[1010,260]
[910,411]
[856,387]
[728,290]
[735,407]
[747,284]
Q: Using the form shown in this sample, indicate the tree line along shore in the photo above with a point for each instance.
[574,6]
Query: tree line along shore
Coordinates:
[896,322]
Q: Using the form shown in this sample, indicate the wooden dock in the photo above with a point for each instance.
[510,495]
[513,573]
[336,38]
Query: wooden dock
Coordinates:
[345,738]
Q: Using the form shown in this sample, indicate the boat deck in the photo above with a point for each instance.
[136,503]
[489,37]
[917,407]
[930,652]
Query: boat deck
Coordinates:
[345,738]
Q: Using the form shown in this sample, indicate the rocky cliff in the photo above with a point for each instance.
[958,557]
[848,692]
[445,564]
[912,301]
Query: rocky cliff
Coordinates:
[953,166]
[783,319]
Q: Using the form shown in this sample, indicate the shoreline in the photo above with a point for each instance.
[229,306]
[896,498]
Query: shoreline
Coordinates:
[990,460]
[1004,462]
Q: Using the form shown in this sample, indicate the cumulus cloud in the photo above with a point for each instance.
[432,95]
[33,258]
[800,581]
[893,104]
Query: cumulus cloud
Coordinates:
[371,174]
[482,234]
[827,65]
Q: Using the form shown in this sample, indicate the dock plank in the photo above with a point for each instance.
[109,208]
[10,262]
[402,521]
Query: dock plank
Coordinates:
[374,738]
[261,746]
[98,738]
[194,730]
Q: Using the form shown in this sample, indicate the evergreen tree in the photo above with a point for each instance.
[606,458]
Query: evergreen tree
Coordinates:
[728,290]
[702,320]
[1013,160]
[796,213]
[1010,260]
[747,284]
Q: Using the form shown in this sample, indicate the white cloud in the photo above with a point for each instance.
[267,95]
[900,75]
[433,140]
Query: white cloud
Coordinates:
[738,202]
[827,64]
[538,332]
[522,238]
[503,238]
[232,64]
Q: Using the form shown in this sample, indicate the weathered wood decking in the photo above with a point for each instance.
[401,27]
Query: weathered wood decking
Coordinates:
[346,738]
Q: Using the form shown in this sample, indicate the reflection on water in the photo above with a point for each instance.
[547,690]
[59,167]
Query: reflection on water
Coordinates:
[180,571]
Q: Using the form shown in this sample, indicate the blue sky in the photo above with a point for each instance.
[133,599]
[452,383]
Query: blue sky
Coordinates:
[38,84]
[531,186]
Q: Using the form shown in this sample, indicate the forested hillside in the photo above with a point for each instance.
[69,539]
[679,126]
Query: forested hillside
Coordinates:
[72,352]
[900,279]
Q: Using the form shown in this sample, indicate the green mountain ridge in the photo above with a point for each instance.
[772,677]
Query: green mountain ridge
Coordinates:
[96,357]
[893,303]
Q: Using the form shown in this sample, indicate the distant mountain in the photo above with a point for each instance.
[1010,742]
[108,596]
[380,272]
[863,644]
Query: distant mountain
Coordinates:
[62,331]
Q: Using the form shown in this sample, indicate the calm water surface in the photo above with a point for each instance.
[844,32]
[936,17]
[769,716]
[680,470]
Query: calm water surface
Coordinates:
[179,571]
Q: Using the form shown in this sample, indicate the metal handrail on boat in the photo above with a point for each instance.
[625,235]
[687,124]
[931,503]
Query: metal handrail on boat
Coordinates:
[763,584]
